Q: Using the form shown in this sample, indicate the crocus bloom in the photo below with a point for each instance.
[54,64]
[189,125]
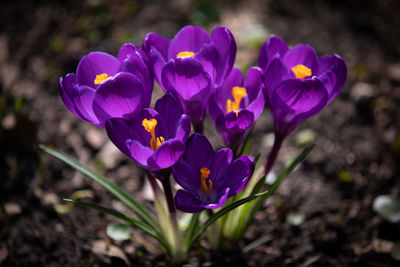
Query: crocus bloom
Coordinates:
[105,86]
[236,105]
[297,83]
[208,179]
[154,139]
[192,64]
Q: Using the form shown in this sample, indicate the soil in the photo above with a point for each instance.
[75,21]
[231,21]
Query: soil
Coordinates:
[357,136]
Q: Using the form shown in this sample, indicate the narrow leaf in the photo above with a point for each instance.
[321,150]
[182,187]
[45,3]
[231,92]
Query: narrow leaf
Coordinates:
[192,227]
[131,203]
[128,219]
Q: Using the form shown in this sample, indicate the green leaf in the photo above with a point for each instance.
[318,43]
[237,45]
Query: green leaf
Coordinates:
[128,219]
[192,227]
[247,143]
[115,190]
[119,231]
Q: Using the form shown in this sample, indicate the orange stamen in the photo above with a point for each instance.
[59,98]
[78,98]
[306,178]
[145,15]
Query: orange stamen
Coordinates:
[150,126]
[185,54]
[301,71]
[238,93]
[205,172]
[101,78]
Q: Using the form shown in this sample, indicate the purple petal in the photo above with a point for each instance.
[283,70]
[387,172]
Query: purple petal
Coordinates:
[186,202]
[238,173]
[243,120]
[218,166]
[254,81]
[214,109]
[166,155]
[235,78]
[257,105]
[186,177]
[68,87]
[302,54]
[209,59]
[198,152]
[225,43]
[185,76]
[219,201]
[83,100]
[157,42]
[189,38]
[183,128]
[295,100]
[139,153]
[274,47]
[333,73]
[275,73]
[118,132]
[135,62]
[170,110]
[93,64]
[121,96]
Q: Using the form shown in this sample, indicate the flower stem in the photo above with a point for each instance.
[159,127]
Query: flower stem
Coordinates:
[274,153]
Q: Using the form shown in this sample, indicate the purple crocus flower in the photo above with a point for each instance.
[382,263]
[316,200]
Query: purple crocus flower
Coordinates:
[154,139]
[192,64]
[297,83]
[208,179]
[105,87]
[236,105]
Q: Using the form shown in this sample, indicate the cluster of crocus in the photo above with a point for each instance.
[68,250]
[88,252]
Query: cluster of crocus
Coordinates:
[196,72]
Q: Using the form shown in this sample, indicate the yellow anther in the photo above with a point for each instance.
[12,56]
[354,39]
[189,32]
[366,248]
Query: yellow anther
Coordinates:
[301,71]
[150,126]
[185,54]
[238,93]
[101,78]
[205,172]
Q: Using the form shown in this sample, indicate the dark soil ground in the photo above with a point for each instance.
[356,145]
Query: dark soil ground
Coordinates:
[357,136]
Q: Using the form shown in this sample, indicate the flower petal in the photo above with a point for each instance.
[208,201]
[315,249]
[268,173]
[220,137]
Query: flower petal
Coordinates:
[135,61]
[185,76]
[186,177]
[139,153]
[121,96]
[295,100]
[209,58]
[186,202]
[225,43]
[302,54]
[170,109]
[274,47]
[275,73]
[238,174]
[222,94]
[68,87]
[218,166]
[219,201]
[198,152]
[189,38]
[157,42]
[333,73]
[118,132]
[83,100]
[166,155]
[93,64]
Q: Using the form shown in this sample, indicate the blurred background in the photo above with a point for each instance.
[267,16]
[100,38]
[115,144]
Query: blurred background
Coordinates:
[322,215]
